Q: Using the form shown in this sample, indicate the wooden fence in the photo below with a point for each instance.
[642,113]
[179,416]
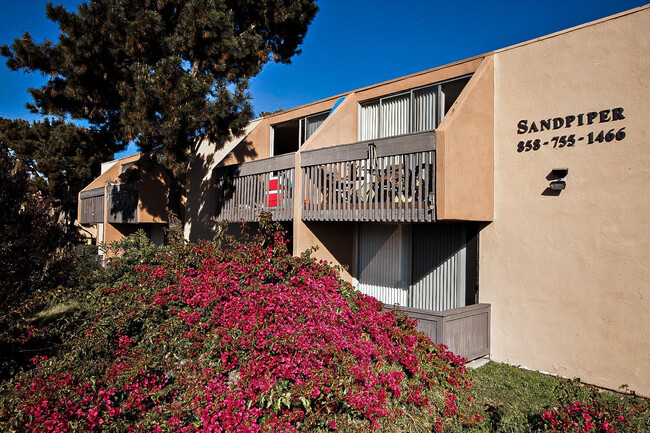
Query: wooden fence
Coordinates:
[464,330]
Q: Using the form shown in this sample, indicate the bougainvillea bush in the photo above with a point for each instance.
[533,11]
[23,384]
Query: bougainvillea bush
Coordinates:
[229,336]
[583,409]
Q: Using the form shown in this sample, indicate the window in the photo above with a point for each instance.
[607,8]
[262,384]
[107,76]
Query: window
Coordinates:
[416,110]
[426,266]
[126,166]
[288,136]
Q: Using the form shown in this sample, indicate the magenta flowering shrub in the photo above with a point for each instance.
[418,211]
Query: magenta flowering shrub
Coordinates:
[224,336]
[596,416]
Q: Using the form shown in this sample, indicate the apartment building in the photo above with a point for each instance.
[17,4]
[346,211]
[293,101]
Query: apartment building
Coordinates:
[128,195]
[504,200]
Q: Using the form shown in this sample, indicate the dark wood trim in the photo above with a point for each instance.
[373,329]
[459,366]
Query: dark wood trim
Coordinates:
[343,153]
[409,143]
[266,165]
[398,145]
[96,192]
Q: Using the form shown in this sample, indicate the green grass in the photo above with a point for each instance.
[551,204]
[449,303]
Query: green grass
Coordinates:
[513,400]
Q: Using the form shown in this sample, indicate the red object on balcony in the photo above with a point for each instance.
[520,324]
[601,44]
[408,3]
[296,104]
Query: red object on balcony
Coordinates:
[273,197]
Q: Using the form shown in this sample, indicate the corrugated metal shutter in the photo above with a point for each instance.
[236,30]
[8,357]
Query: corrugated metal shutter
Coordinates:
[438,276]
[418,266]
[395,115]
[384,262]
[424,109]
[369,121]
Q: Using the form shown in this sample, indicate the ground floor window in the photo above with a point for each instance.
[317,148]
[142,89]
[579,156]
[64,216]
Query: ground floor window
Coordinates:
[429,266]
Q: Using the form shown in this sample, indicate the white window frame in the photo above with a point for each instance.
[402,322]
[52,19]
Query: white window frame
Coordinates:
[302,124]
[440,106]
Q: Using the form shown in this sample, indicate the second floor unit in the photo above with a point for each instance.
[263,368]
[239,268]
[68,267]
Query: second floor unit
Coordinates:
[414,149]
[129,194]
[502,200]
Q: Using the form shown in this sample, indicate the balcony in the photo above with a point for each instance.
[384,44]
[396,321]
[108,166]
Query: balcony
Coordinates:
[122,203]
[245,190]
[388,179]
[92,206]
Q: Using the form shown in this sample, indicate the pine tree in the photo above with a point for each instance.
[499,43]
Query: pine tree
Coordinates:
[32,241]
[60,158]
[162,73]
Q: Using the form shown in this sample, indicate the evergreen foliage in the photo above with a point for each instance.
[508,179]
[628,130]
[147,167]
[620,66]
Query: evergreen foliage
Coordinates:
[162,73]
[35,257]
[59,157]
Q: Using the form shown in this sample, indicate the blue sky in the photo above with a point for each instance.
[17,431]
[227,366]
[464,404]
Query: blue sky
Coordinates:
[352,43]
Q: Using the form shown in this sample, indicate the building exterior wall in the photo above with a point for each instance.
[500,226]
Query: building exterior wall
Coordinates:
[115,232]
[200,191]
[565,271]
[567,274]
[153,196]
[152,200]
[465,152]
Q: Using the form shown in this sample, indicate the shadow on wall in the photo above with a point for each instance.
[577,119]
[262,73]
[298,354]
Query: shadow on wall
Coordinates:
[337,239]
[142,194]
[209,183]
[122,202]
[224,182]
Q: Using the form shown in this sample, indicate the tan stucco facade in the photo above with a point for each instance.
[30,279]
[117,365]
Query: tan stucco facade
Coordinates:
[465,152]
[567,275]
[564,271]
[152,200]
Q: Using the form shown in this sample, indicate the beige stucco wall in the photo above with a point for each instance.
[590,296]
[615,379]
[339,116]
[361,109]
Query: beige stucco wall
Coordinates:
[153,192]
[568,275]
[442,73]
[334,241]
[112,173]
[200,190]
[115,232]
[152,201]
[465,152]
[340,127]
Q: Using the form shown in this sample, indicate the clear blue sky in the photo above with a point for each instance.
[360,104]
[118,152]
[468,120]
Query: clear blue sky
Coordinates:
[351,43]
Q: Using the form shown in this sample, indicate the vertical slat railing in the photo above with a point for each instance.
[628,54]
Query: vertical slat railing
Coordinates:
[92,206]
[122,203]
[390,179]
[244,190]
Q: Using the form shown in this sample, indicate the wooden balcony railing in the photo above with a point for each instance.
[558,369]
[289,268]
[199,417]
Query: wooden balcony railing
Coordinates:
[245,190]
[92,206]
[122,203]
[389,179]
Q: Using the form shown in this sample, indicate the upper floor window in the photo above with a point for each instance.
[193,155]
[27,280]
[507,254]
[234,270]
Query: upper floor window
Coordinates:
[288,136]
[126,166]
[415,110]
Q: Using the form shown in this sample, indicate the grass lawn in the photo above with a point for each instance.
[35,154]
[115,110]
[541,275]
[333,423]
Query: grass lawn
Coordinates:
[512,399]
